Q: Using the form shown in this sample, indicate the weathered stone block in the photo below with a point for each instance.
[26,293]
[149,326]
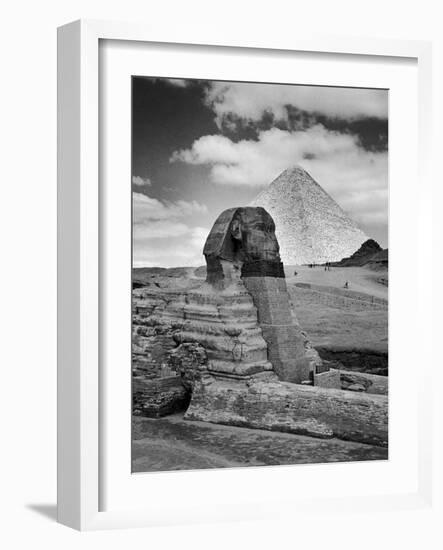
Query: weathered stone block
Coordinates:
[327,379]
[293,408]
[159,397]
[285,339]
[188,361]
[371,383]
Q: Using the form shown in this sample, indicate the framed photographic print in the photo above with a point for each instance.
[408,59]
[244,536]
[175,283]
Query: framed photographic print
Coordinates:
[234,220]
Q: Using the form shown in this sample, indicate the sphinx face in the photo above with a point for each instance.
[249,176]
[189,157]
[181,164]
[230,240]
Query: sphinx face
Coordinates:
[253,230]
[242,242]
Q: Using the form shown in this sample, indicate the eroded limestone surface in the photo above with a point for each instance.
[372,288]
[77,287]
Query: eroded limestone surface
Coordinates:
[172,443]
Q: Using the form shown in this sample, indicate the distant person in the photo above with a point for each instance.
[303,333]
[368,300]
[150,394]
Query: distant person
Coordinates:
[295,273]
[346,285]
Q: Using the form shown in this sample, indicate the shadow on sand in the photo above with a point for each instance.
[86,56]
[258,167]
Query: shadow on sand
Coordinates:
[48,511]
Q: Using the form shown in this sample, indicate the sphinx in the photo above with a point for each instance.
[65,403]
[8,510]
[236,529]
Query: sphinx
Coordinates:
[242,249]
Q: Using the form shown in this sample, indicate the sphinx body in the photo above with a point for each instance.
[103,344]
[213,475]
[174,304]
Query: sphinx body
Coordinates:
[242,246]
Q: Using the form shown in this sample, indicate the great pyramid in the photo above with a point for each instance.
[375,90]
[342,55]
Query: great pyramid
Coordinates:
[310,226]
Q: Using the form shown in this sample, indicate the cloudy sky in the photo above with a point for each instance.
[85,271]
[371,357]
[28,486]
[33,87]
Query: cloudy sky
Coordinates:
[199,147]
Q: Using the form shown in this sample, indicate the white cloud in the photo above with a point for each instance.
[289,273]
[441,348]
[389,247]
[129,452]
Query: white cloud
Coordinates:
[185,250]
[162,235]
[251,100]
[355,178]
[140,182]
[179,82]
[147,209]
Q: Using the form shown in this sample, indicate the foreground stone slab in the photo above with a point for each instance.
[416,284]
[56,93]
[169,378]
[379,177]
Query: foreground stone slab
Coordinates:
[292,408]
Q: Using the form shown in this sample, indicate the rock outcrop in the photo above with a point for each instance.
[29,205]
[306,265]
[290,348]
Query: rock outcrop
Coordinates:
[361,256]
[379,262]
[310,226]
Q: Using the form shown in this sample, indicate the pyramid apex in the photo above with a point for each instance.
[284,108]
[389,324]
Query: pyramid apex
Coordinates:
[293,175]
[294,168]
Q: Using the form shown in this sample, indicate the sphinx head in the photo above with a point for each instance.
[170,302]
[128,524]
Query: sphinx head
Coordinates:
[242,243]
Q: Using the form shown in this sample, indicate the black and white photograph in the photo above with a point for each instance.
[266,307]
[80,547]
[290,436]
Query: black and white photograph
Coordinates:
[260,274]
[222,275]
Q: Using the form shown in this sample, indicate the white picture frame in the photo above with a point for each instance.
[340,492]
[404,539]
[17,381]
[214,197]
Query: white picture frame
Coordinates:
[79,260]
